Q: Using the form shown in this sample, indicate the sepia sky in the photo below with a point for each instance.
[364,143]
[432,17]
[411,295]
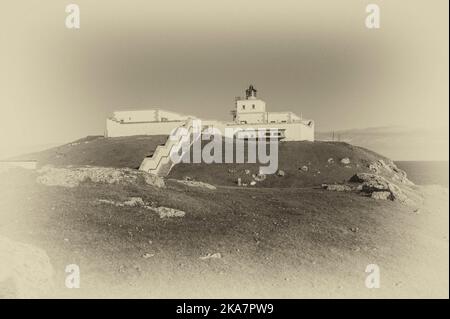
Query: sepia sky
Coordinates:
[315,58]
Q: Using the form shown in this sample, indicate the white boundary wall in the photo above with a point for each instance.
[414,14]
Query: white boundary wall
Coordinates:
[297,131]
[116,129]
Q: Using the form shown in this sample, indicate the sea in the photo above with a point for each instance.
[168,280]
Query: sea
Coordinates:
[426,172]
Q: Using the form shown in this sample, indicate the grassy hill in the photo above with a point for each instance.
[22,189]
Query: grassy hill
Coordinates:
[284,237]
[296,242]
[99,151]
[291,158]
[130,151]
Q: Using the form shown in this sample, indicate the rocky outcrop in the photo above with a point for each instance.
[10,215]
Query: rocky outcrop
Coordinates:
[388,168]
[72,176]
[163,212]
[371,183]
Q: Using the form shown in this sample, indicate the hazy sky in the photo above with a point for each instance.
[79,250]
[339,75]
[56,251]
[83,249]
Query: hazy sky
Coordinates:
[315,58]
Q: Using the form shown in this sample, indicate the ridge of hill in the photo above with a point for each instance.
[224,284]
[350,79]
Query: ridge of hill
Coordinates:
[321,159]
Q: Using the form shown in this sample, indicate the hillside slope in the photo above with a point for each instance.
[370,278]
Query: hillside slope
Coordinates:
[278,243]
[99,151]
[322,159]
[283,237]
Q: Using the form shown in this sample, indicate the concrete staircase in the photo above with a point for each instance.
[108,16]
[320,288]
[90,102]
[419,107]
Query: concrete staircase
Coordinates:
[161,162]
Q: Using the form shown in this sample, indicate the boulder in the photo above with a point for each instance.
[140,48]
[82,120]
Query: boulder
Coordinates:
[345,161]
[165,212]
[281,173]
[259,177]
[371,183]
[304,168]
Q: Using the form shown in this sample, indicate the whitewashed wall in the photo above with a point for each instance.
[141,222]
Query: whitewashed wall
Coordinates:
[155,115]
[115,129]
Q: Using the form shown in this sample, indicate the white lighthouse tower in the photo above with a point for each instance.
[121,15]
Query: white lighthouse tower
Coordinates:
[250,110]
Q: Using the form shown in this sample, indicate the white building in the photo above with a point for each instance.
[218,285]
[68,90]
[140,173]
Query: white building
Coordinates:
[249,114]
[143,122]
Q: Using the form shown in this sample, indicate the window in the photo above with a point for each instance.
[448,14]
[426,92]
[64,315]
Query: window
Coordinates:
[243,107]
[253,106]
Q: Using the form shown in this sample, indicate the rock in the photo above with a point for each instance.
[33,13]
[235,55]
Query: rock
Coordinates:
[381,195]
[134,201]
[107,201]
[259,177]
[211,256]
[373,168]
[247,172]
[396,193]
[147,255]
[371,183]
[25,271]
[151,179]
[281,173]
[197,184]
[72,176]
[252,183]
[304,168]
[389,168]
[331,160]
[165,212]
[337,187]
[345,161]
